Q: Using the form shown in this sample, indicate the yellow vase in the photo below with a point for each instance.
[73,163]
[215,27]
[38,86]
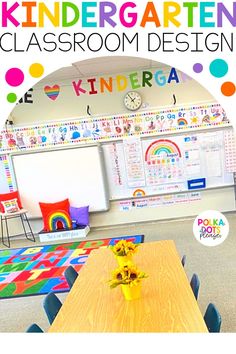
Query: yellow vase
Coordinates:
[122,260]
[131,292]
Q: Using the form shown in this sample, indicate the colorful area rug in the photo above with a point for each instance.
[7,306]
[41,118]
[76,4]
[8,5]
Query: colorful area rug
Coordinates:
[38,270]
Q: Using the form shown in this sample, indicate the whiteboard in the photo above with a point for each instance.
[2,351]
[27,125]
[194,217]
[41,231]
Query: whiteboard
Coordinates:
[51,176]
[200,155]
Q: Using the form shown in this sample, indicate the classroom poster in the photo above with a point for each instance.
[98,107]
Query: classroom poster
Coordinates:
[134,162]
[163,162]
[197,40]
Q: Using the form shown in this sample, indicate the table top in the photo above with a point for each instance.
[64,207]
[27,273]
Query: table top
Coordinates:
[167,303]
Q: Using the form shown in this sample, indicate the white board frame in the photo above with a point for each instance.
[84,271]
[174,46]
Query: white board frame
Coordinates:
[102,202]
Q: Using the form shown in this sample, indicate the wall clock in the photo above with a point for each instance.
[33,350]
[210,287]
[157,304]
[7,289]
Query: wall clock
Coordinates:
[132,100]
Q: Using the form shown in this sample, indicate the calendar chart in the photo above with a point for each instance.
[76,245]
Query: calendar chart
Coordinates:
[163,162]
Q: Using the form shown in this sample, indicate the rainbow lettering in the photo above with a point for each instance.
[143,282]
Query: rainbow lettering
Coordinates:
[100,14]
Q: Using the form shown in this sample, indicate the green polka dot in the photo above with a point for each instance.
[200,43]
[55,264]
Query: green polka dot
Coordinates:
[218,68]
[11,97]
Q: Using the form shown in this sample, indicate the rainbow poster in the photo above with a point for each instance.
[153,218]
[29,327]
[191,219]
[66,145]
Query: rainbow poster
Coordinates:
[163,162]
[139,193]
[160,149]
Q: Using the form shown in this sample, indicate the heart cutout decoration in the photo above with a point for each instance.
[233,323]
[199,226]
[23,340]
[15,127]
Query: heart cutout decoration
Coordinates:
[52,91]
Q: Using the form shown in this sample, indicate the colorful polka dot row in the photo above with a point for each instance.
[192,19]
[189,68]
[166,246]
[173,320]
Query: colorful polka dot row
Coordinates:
[15,77]
[218,68]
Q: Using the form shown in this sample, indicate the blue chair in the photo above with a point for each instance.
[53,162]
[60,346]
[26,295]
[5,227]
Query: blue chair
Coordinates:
[70,275]
[34,328]
[183,260]
[212,319]
[51,305]
[195,285]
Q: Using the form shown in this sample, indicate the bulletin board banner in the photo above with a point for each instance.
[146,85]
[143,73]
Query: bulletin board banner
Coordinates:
[173,164]
[102,129]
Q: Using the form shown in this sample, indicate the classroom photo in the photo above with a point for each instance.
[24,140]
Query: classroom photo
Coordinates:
[117,203]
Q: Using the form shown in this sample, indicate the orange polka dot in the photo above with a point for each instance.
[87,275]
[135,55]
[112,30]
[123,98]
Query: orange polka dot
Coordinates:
[228,88]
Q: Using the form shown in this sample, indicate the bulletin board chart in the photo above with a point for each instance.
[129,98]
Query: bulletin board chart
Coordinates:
[134,162]
[230,150]
[163,161]
[7,180]
[173,164]
[90,130]
[115,169]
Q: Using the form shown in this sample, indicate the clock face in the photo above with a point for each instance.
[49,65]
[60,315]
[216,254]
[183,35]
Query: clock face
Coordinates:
[132,100]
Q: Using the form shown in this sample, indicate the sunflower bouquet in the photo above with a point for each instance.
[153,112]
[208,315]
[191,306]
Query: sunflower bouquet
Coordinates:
[126,275]
[124,248]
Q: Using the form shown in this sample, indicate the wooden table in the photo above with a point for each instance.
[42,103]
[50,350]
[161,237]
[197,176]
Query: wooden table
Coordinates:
[167,303]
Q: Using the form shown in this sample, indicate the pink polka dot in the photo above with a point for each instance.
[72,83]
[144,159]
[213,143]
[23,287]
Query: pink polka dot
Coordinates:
[14,77]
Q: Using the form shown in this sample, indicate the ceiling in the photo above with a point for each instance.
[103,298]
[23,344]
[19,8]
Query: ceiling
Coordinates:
[103,65]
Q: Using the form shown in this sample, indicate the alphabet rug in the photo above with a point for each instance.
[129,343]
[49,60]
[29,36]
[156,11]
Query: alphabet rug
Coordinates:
[39,270]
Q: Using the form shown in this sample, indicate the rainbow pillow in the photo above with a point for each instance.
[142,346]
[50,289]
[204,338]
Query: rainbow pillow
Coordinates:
[58,220]
[56,216]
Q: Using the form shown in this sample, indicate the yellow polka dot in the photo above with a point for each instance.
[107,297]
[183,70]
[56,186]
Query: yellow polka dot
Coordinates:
[36,70]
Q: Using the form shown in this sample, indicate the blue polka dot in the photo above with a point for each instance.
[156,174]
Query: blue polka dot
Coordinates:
[218,68]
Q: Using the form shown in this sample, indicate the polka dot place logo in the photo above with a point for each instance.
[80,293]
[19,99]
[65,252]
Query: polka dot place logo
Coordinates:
[218,68]
[14,77]
[210,228]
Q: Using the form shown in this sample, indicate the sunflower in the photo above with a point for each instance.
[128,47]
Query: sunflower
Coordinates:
[118,274]
[130,248]
[127,274]
[124,248]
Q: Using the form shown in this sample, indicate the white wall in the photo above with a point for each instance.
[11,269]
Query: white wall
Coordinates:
[69,105]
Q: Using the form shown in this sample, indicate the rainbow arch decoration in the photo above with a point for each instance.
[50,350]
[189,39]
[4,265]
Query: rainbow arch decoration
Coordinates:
[139,193]
[161,147]
[59,220]
[182,121]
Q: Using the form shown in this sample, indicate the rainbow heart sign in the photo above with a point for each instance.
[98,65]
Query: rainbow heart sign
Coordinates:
[52,91]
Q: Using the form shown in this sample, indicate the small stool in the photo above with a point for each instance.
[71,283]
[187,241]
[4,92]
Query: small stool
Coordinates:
[24,219]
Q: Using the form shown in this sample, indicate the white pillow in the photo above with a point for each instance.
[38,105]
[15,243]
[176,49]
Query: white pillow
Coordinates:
[10,206]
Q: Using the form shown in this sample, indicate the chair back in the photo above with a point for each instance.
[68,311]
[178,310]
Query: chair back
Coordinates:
[70,275]
[195,285]
[34,328]
[212,319]
[51,305]
[183,260]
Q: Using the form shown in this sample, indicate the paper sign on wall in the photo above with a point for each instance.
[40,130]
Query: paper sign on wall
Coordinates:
[163,162]
[230,151]
[134,162]
[192,159]
[212,146]
[157,201]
